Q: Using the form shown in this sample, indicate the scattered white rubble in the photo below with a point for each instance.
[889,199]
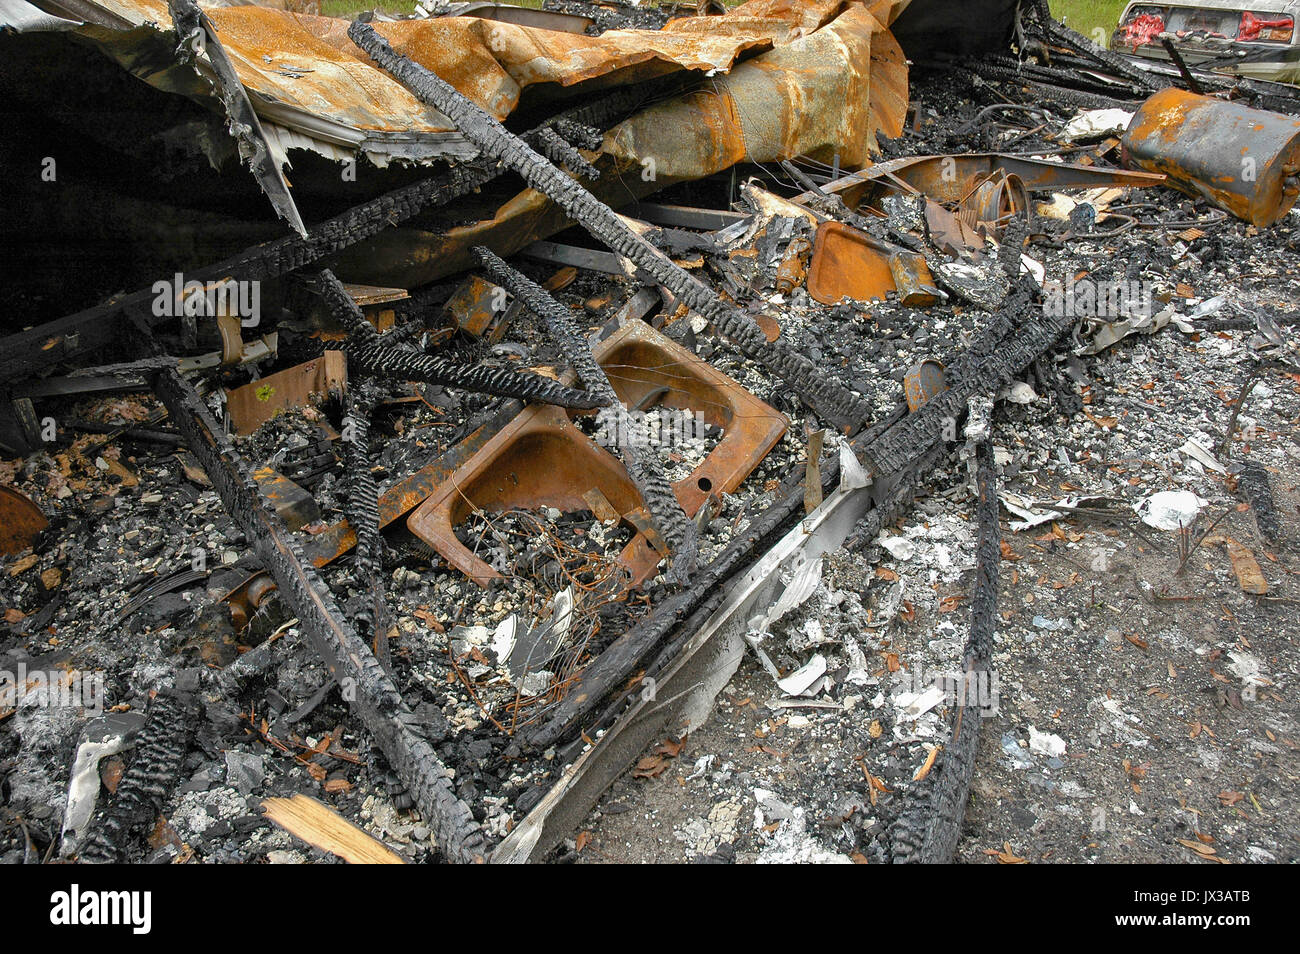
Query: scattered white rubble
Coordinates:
[1171,509]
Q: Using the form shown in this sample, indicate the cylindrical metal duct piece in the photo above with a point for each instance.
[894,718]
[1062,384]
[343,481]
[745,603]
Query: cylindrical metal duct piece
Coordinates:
[1243,160]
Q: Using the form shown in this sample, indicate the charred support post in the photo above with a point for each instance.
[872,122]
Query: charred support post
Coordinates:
[929,834]
[370,355]
[163,742]
[821,391]
[643,466]
[1019,333]
[366,687]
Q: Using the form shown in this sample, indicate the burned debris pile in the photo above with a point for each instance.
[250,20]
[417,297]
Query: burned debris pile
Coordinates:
[552,364]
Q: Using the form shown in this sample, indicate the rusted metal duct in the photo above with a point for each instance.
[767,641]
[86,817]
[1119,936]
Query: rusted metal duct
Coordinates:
[826,94]
[1246,161]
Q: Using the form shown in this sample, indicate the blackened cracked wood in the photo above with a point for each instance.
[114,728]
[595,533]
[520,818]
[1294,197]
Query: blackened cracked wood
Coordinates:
[928,830]
[369,354]
[816,386]
[368,690]
[163,742]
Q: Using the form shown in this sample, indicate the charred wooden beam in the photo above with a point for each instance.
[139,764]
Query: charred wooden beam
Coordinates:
[369,354]
[163,742]
[927,832]
[363,515]
[366,687]
[816,386]
[554,147]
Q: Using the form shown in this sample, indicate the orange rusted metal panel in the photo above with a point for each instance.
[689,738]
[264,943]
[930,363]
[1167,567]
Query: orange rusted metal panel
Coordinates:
[848,263]
[20,521]
[303,72]
[823,95]
[254,403]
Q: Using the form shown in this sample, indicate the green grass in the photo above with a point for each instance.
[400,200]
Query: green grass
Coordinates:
[1089,15]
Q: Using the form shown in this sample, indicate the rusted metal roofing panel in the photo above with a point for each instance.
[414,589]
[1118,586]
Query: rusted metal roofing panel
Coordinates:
[824,94]
[827,93]
[302,73]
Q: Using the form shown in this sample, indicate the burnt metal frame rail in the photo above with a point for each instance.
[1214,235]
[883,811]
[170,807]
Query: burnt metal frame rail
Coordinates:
[368,690]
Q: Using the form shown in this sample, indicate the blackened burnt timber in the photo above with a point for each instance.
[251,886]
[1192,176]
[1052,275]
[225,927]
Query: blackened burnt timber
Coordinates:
[1019,333]
[927,833]
[27,353]
[370,355]
[817,387]
[159,751]
[366,687]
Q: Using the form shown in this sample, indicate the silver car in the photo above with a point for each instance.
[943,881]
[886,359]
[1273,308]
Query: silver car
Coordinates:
[1252,38]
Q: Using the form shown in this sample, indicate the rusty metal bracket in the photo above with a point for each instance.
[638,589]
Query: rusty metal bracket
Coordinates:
[848,263]
[543,459]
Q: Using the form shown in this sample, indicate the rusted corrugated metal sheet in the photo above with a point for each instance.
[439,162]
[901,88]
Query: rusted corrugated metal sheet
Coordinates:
[304,75]
[822,94]
[787,79]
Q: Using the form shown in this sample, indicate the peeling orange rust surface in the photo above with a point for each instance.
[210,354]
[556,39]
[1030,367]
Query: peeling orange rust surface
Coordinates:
[1243,160]
[787,78]
[825,94]
[308,63]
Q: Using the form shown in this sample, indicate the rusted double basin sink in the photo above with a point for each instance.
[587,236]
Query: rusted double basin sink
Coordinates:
[543,459]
